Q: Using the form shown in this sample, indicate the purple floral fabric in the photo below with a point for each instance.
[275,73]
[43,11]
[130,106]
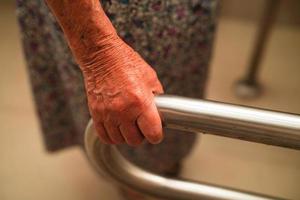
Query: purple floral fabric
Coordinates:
[175,37]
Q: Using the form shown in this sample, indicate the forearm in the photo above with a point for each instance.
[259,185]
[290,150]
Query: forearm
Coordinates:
[86,27]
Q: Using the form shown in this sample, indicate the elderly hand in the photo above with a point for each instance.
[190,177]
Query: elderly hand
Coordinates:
[121,87]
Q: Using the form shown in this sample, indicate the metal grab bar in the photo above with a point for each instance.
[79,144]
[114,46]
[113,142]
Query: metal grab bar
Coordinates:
[245,123]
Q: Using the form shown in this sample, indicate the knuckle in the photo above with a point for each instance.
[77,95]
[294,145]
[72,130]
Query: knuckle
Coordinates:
[137,99]
[151,72]
[92,105]
[135,96]
[153,76]
[116,106]
[95,107]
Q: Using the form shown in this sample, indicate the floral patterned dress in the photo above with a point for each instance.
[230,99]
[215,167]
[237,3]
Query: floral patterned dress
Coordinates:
[173,36]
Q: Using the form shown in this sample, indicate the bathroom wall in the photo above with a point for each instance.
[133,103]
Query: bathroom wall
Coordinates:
[289,12]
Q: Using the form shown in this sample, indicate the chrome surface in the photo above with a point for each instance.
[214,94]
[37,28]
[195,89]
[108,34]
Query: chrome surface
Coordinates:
[196,115]
[245,123]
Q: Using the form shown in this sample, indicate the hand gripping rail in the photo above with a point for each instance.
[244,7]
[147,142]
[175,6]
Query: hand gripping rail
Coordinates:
[257,125]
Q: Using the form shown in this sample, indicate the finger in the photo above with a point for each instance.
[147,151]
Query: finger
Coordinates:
[132,134]
[101,132]
[114,133]
[155,84]
[150,124]
[158,89]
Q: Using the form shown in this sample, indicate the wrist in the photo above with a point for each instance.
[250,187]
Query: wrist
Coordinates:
[92,38]
[104,58]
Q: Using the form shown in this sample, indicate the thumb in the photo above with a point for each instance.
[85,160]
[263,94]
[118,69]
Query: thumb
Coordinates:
[150,124]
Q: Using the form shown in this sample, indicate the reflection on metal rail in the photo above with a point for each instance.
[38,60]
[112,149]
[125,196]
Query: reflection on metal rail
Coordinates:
[269,127]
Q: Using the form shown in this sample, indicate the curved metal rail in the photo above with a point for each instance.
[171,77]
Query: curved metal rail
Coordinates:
[263,126]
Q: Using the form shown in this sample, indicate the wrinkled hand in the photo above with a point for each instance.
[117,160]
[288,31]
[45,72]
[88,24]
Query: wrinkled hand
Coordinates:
[121,87]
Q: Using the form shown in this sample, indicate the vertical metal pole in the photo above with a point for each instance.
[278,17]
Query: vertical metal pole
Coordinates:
[249,87]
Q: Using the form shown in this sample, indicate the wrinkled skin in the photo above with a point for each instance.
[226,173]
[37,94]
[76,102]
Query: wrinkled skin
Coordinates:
[120,85]
[121,97]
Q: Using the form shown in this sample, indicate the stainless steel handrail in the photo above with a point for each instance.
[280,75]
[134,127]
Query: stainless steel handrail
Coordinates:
[263,126]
